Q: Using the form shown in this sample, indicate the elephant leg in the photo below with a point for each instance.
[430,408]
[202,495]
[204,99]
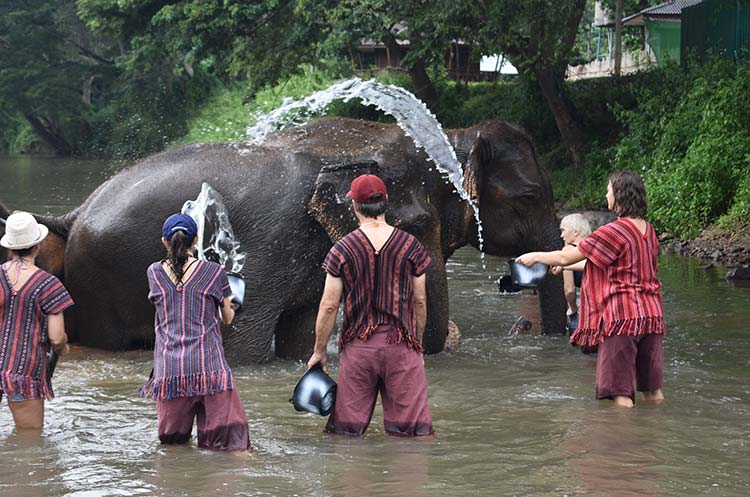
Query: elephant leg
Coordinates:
[551,295]
[295,333]
[436,328]
[249,339]
[553,306]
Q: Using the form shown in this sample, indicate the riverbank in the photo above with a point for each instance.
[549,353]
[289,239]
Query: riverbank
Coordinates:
[715,245]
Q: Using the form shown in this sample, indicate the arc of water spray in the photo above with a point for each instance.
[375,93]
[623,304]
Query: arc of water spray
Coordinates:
[411,115]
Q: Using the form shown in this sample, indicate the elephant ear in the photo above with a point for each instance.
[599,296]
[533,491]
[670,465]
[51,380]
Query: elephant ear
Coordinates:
[479,156]
[329,205]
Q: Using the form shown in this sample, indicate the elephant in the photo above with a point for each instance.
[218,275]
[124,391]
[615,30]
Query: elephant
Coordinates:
[286,202]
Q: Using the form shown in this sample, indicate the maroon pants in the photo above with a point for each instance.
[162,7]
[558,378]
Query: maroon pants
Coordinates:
[394,370]
[222,422]
[626,362]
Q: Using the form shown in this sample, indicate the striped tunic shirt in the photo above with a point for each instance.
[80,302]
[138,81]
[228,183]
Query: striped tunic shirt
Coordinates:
[188,351]
[378,287]
[620,294]
[25,342]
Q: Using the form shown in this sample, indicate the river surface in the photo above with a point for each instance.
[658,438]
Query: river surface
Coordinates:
[513,415]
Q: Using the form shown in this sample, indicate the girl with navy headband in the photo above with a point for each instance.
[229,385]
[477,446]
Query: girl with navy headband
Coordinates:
[191,377]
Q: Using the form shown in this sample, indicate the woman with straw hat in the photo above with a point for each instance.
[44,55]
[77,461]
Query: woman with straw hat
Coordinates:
[31,305]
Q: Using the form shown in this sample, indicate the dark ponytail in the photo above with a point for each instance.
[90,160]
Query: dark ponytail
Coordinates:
[178,253]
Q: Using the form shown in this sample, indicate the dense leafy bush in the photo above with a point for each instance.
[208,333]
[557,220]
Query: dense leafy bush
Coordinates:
[690,137]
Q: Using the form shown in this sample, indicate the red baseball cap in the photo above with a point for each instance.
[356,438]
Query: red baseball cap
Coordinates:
[367,189]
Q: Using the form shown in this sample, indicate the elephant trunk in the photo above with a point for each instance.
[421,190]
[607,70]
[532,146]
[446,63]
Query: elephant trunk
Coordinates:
[551,295]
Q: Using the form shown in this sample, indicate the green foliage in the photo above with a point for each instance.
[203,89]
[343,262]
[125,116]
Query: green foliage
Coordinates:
[226,115]
[47,55]
[690,138]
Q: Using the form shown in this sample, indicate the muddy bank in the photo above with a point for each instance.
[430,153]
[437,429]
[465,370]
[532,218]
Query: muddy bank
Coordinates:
[720,247]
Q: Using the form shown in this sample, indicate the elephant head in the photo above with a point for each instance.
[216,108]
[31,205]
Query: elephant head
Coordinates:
[410,207]
[514,194]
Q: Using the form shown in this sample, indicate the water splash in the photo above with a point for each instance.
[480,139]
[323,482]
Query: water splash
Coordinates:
[411,115]
[212,218]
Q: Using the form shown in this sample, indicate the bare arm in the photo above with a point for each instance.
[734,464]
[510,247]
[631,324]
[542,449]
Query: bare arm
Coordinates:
[420,303]
[56,331]
[565,257]
[578,266]
[329,307]
[570,291]
[227,313]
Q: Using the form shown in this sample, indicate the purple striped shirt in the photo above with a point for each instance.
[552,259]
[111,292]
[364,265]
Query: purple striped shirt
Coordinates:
[24,341]
[378,286]
[188,353]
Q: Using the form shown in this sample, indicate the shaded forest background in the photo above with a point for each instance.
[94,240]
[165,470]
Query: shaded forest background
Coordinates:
[125,78]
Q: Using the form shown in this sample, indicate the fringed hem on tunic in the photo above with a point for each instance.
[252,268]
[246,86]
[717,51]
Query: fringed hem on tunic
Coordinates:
[630,327]
[395,334]
[30,388]
[187,386]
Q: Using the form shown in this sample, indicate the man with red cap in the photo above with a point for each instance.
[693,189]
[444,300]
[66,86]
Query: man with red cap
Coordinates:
[380,272]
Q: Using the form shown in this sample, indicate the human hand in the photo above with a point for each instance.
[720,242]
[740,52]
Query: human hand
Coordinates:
[528,259]
[555,270]
[319,358]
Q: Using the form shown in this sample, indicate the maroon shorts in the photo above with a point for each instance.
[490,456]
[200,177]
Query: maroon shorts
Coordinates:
[222,422]
[625,363]
[394,370]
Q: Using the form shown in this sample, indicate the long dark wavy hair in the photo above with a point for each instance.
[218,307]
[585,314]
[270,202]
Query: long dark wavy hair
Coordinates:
[178,253]
[629,193]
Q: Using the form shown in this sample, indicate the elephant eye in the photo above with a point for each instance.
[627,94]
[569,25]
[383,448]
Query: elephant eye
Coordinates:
[416,225]
[526,195]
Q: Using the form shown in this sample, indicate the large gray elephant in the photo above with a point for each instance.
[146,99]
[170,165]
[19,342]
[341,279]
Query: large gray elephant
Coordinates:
[287,207]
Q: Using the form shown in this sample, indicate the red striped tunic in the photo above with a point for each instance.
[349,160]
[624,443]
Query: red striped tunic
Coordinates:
[25,342]
[620,293]
[188,352]
[378,288]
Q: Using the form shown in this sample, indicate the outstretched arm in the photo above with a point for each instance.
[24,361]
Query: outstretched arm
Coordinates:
[329,307]
[565,257]
[578,266]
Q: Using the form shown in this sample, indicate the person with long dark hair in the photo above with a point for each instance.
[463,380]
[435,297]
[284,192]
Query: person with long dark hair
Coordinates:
[32,302]
[191,378]
[621,306]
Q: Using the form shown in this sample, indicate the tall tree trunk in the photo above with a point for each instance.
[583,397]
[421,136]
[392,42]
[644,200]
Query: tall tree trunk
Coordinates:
[423,87]
[618,38]
[86,91]
[50,136]
[563,112]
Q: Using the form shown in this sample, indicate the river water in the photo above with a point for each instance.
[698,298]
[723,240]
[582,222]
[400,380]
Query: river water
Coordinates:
[513,415]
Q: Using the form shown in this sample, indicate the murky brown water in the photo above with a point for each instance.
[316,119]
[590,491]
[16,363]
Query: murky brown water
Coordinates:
[513,415]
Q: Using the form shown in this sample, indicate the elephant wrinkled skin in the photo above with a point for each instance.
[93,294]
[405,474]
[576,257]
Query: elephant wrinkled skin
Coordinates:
[286,203]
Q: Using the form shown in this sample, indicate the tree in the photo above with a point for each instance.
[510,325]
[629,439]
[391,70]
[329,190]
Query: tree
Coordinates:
[537,37]
[618,37]
[48,62]
[418,32]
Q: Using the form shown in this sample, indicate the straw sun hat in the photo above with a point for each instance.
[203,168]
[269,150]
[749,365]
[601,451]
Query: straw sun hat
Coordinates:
[22,231]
